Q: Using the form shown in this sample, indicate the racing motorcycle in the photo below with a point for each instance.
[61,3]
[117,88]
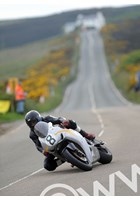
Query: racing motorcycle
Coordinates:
[70,146]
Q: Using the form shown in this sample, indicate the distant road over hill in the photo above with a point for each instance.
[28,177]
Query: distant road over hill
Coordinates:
[94,102]
[15,33]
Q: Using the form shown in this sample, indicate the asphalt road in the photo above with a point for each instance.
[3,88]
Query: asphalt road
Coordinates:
[94,102]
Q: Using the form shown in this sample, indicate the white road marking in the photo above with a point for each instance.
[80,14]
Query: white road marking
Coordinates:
[93,102]
[94,110]
[21,179]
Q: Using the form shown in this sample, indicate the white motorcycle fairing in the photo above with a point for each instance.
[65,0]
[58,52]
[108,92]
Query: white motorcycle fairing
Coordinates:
[57,134]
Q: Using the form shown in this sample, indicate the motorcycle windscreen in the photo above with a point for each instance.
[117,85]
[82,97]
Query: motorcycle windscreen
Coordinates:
[41,129]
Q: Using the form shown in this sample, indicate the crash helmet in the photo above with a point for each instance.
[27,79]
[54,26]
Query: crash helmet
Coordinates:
[32,117]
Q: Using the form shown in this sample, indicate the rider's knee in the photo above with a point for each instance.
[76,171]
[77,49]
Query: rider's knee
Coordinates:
[50,165]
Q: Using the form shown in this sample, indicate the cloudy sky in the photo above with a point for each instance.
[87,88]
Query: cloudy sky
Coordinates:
[13,9]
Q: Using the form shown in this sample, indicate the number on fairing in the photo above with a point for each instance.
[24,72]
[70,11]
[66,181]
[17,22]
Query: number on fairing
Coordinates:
[50,139]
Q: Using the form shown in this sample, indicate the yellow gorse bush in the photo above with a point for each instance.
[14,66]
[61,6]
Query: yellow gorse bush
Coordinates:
[47,73]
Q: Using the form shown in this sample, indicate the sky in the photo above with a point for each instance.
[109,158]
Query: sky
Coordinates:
[15,9]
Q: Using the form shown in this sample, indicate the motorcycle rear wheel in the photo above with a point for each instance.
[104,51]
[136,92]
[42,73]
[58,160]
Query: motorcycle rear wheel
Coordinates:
[105,155]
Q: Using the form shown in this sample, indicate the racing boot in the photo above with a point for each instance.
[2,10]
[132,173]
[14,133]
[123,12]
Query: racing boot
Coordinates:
[89,136]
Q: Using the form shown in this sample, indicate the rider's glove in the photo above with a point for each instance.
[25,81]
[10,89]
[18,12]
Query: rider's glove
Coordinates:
[69,124]
[65,124]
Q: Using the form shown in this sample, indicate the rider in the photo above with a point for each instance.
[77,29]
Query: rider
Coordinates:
[33,116]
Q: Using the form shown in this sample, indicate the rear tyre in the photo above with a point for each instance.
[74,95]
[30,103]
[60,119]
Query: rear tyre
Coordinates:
[105,155]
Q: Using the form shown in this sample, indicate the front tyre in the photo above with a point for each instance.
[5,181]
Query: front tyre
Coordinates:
[73,158]
[105,155]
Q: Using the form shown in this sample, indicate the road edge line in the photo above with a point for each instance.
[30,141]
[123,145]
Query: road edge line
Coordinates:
[21,179]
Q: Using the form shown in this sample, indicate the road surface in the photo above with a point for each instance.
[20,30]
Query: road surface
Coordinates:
[94,102]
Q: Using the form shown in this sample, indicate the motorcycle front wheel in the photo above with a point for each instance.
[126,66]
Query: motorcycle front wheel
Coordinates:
[77,158]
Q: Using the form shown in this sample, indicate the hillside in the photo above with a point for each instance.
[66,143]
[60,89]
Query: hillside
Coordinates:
[122,45]
[45,79]
[18,32]
[29,46]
